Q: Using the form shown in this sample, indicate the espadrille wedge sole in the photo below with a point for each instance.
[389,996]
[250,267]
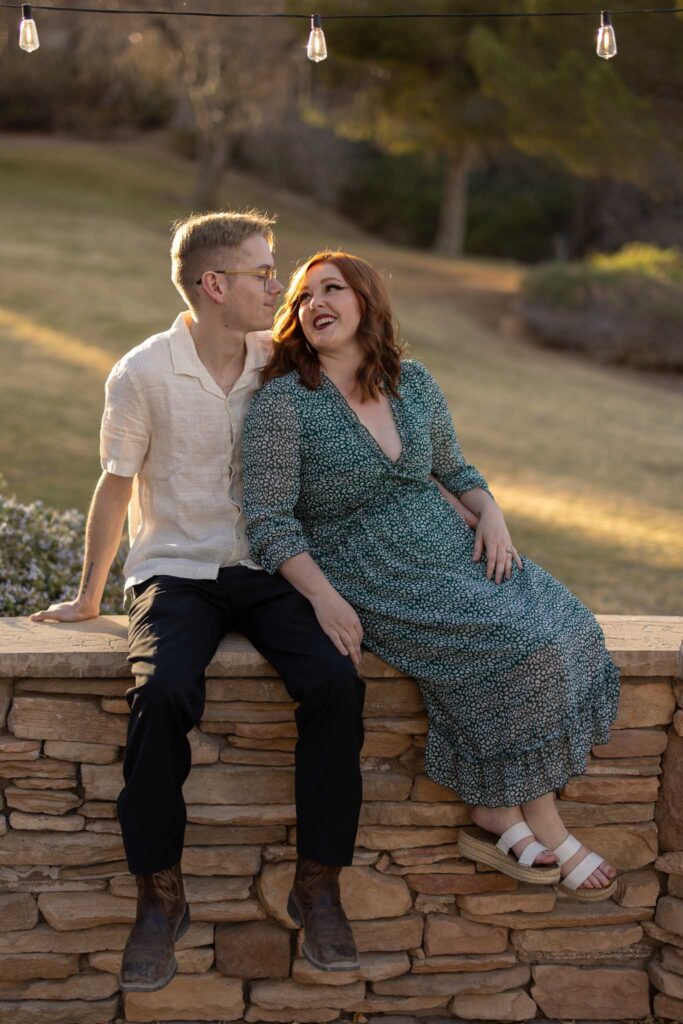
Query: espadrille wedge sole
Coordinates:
[478,845]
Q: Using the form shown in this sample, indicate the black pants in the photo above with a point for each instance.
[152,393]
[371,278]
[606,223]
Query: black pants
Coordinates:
[175,626]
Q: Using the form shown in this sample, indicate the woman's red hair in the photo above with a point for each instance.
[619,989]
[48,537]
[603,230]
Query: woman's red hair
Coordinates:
[381,367]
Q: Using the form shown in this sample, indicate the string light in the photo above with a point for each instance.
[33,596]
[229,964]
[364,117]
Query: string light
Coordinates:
[28,33]
[317,47]
[607,41]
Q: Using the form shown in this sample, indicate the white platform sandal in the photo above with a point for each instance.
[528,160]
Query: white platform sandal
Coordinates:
[478,845]
[569,886]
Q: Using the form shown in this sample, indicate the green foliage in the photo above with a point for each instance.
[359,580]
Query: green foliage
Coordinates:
[41,554]
[396,197]
[518,206]
[85,80]
[409,86]
[565,105]
[623,308]
[640,258]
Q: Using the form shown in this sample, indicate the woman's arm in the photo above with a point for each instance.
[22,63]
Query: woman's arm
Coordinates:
[272,467]
[336,616]
[466,482]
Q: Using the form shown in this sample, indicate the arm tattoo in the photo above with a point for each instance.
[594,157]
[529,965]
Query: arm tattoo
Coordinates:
[88,574]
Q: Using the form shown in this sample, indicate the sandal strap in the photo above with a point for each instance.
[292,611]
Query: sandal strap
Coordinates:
[582,870]
[567,849]
[513,835]
[530,853]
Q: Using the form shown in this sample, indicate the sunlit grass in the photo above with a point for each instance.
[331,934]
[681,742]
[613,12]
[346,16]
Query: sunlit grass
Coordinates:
[586,461]
[55,344]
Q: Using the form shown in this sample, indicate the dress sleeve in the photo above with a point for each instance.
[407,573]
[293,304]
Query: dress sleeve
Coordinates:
[125,430]
[448,463]
[272,461]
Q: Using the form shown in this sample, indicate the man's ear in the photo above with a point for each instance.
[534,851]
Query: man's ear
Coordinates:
[211,287]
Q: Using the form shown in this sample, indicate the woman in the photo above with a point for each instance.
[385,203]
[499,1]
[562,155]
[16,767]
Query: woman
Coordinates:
[348,453]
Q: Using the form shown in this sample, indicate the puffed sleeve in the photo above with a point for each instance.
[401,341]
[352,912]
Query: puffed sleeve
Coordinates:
[448,463]
[125,430]
[272,460]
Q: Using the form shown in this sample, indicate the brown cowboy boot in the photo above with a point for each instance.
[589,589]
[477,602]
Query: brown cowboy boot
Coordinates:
[315,905]
[163,916]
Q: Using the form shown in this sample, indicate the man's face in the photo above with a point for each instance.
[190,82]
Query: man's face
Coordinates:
[250,302]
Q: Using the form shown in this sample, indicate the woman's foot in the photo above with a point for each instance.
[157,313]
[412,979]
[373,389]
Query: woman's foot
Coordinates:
[545,822]
[499,820]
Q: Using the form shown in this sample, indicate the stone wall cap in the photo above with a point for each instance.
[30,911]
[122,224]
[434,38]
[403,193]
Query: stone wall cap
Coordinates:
[98,648]
[645,645]
[642,645]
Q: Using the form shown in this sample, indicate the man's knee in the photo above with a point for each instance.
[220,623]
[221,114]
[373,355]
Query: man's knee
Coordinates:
[166,691]
[338,684]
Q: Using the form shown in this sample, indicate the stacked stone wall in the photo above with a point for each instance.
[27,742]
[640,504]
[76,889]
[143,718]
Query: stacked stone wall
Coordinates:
[438,936]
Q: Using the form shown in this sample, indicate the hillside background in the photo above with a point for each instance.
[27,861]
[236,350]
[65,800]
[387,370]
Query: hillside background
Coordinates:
[104,142]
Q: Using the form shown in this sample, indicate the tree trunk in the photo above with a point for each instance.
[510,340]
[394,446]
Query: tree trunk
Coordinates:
[211,160]
[585,226]
[450,236]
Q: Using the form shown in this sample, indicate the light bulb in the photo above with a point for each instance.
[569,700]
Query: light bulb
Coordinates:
[607,41]
[28,33]
[317,47]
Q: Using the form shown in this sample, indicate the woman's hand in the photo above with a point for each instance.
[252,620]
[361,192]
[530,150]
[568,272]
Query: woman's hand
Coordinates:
[339,621]
[493,537]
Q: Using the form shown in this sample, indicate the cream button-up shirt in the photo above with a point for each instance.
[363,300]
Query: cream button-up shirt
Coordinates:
[169,424]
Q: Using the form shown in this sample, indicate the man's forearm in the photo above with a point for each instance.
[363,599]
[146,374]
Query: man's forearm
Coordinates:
[465,513]
[102,538]
[476,500]
[106,517]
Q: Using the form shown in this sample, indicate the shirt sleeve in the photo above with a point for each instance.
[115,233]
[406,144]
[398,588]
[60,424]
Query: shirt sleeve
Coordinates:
[125,429]
[272,463]
[448,462]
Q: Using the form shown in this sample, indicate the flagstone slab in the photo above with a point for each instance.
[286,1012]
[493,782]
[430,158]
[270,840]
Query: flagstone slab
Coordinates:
[188,997]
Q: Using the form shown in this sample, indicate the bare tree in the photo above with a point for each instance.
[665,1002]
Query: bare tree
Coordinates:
[235,75]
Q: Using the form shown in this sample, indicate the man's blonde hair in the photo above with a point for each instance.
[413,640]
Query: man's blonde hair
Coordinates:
[202,238]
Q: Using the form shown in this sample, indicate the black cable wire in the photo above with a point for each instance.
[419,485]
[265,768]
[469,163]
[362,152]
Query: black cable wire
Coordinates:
[349,17]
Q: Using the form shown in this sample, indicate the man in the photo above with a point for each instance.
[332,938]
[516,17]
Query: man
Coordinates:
[171,455]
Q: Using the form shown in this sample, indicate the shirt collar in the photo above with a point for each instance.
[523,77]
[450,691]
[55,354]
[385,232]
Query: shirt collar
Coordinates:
[186,361]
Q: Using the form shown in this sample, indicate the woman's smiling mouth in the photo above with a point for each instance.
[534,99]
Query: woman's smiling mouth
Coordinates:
[323,321]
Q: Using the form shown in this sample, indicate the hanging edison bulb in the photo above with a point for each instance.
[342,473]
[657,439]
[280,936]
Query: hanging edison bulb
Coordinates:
[317,47]
[28,33]
[607,41]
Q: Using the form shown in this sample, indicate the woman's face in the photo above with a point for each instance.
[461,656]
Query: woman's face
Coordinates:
[329,310]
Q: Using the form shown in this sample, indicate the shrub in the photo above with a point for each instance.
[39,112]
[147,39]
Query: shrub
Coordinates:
[626,307]
[41,556]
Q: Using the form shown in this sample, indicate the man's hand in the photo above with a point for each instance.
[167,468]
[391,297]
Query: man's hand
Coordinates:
[339,621]
[102,537]
[67,611]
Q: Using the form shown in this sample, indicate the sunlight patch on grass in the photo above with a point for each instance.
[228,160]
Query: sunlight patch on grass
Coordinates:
[56,344]
[598,520]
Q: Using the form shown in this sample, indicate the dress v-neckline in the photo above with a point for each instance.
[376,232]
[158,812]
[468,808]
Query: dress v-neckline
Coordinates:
[368,433]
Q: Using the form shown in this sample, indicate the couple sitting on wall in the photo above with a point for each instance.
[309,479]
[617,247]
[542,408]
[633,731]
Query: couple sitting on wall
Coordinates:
[308,489]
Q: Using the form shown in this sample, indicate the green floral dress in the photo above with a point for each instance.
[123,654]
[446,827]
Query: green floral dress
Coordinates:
[515,676]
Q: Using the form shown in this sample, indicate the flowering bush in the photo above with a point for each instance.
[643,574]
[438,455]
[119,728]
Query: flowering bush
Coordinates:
[625,307]
[41,557]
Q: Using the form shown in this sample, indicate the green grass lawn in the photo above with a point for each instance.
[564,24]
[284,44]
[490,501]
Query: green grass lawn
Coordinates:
[586,461]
